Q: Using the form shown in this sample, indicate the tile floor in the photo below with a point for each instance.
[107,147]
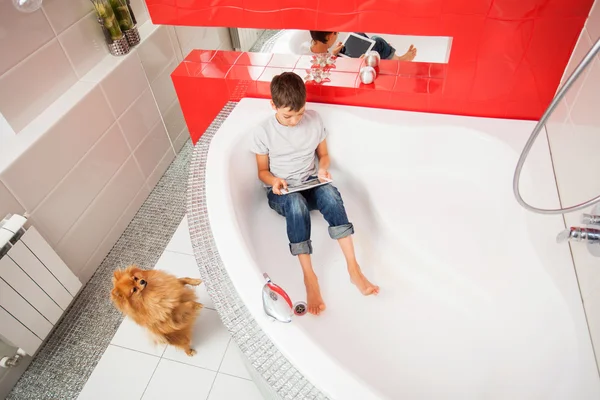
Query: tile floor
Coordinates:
[134,368]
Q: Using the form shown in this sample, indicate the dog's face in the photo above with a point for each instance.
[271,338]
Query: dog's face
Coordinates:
[128,285]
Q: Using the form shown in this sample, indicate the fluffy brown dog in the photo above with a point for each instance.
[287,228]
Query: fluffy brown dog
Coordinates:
[160,302]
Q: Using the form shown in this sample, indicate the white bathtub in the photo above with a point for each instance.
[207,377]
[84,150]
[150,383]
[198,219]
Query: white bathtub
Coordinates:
[477,300]
[434,49]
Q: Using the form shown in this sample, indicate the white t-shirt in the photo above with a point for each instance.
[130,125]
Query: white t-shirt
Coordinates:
[291,150]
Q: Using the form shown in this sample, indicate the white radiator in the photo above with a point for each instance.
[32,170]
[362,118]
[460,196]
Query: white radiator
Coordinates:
[36,286]
[242,39]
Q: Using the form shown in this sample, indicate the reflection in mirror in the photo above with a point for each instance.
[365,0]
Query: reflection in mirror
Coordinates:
[292,41]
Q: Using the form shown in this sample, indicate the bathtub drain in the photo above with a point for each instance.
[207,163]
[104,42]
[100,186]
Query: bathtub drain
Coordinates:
[300,308]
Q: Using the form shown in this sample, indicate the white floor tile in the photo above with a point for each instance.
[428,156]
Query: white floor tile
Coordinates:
[233,363]
[121,374]
[174,380]
[184,265]
[132,336]
[210,341]
[181,242]
[231,388]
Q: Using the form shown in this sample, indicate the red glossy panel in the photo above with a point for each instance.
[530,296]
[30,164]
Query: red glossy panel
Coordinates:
[486,85]
[409,101]
[388,67]
[514,9]
[299,19]
[241,81]
[506,40]
[201,55]
[550,47]
[382,83]
[467,7]
[299,4]
[338,6]
[225,57]
[201,100]
[215,71]
[166,14]
[437,70]
[466,32]
[188,68]
[414,69]
[245,72]
[272,19]
[299,14]
[411,85]
[562,8]
[459,80]
[336,22]
[420,8]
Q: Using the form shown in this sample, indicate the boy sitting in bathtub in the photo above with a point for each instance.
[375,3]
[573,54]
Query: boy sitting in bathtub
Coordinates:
[291,148]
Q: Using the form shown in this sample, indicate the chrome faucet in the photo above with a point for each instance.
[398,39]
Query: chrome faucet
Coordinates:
[579,234]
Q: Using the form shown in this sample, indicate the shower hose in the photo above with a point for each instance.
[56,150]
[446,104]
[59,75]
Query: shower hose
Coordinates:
[587,60]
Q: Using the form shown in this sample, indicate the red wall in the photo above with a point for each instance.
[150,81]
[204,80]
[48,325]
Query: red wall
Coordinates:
[506,60]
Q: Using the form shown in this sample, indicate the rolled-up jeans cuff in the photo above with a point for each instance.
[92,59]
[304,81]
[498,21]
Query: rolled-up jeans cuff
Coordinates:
[301,248]
[341,231]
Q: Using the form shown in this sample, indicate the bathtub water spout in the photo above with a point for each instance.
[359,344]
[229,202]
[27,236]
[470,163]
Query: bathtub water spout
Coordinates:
[276,302]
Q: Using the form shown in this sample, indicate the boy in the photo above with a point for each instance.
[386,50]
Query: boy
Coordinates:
[323,41]
[291,148]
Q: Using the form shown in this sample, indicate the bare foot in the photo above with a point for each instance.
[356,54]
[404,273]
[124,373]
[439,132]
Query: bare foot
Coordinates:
[190,352]
[313,296]
[409,55]
[361,282]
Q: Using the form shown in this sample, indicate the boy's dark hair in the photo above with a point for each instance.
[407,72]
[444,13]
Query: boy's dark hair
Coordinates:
[320,36]
[288,90]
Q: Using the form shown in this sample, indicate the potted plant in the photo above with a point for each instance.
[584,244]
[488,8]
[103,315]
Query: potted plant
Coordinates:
[115,39]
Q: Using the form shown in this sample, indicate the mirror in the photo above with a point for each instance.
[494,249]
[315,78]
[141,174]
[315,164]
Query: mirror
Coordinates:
[435,49]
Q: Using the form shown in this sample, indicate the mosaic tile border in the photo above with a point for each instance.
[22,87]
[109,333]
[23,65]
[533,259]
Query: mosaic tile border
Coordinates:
[284,380]
[63,365]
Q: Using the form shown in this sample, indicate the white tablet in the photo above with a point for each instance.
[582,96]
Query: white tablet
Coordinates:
[313,183]
[356,45]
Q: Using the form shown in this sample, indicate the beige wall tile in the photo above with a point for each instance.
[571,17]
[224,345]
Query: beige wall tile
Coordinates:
[71,197]
[152,149]
[84,44]
[23,34]
[33,175]
[83,239]
[139,119]
[21,100]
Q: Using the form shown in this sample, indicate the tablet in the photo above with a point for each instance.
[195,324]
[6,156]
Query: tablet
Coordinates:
[313,183]
[356,45]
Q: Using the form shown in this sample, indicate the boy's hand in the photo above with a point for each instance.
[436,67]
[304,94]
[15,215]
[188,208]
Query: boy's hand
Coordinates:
[324,175]
[337,48]
[278,184]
